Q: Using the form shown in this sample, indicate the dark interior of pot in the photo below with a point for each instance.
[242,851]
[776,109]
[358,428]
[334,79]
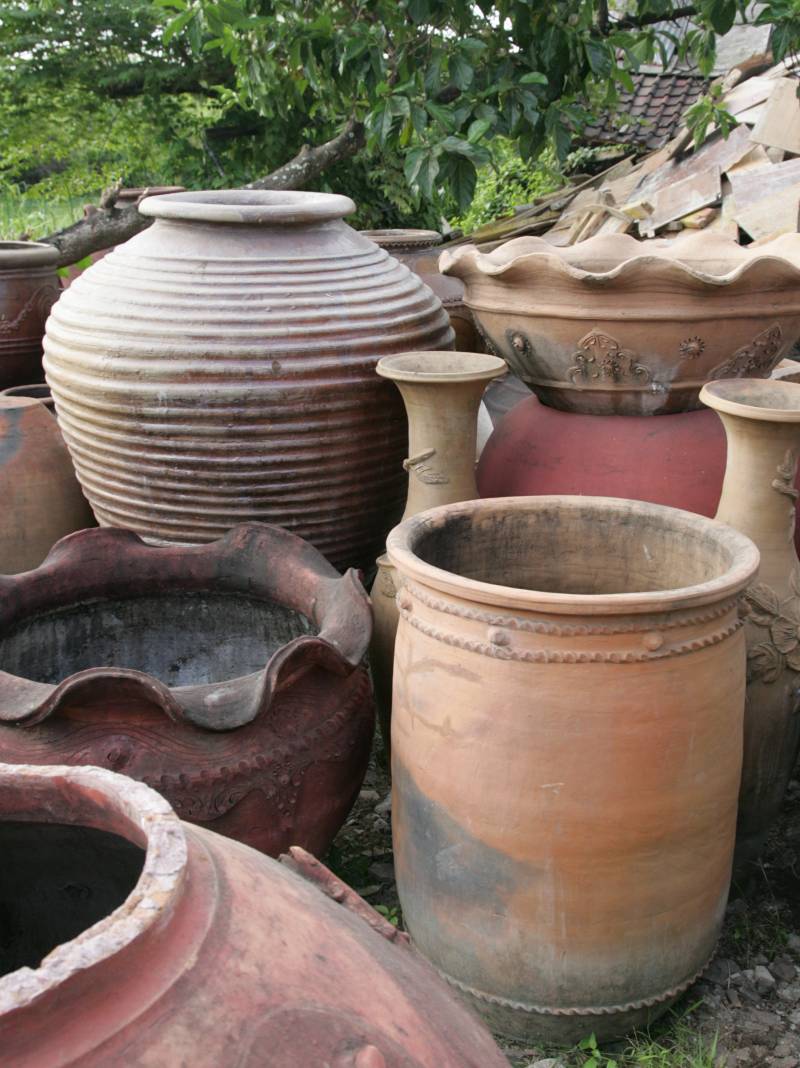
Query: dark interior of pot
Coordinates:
[183,639]
[588,550]
[55,882]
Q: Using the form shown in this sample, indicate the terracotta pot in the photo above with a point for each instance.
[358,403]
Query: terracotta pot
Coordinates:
[219,368]
[417,249]
[150,942]
[229,677]
[38,390]
[29,285]
[676,460]
[759,497]
[441,392]
[566,751]
[617,326]
[41,498]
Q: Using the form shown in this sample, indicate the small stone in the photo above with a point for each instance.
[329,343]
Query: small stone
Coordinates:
[758,1020]
[760,959]
[384,807]
[733,998]
[369,795]
[720,971]
[379,824]
[548,1062]
[764,979]
[783,972]
[790,993]
[382,872]
[793,943]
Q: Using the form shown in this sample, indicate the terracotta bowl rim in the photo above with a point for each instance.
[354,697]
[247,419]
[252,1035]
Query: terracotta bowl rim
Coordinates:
[741,572]
[248,207]
[151,823]
[478,367]
[16,254]
[713,394]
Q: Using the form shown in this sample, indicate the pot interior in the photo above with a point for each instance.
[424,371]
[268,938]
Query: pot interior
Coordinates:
[182,639]
[590,549]
[55,882]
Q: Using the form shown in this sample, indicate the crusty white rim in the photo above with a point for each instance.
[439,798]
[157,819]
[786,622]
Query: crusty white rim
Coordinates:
[249,207]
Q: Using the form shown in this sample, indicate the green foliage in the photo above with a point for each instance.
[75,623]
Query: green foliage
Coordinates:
[506,183]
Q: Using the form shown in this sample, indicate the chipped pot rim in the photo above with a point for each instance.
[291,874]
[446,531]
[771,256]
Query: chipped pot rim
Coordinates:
[238,562]
[710,260]
[744,559]
[248,207]
[148,817]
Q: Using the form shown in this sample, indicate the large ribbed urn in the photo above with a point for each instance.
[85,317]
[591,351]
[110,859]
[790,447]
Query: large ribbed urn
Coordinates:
[219,368]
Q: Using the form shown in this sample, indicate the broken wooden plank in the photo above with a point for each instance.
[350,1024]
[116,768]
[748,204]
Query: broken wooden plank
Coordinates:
[755,159]
[716,152]
[674,201]
[779,124]
[751,186]
[774,214]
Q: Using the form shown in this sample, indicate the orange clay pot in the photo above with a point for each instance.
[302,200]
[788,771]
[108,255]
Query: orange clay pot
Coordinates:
[566,752]
[759,498]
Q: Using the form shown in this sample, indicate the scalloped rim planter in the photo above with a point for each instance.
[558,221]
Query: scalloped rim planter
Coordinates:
[273,757]
[566,753]
[613,325]
[308,965]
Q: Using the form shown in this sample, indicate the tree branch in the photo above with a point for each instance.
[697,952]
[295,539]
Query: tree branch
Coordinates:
[107,225]
[632,23]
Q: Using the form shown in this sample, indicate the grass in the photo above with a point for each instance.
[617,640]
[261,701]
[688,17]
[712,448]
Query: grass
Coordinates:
[34,216]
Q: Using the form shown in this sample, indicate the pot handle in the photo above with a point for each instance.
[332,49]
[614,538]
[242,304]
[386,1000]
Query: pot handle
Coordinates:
[310,869]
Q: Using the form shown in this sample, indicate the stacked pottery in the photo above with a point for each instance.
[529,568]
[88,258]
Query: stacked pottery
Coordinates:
[566,753]
[615,326]
[29,285]
[151,942]
[441,392]
[228,676]
[218,368]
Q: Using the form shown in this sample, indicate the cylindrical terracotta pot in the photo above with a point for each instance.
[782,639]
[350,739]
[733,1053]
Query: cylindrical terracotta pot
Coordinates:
[616,326]
[130,938]
[441,392]
[219,368]
[417,249]
[566,750]
[759,497]
[40,499]
[676,460]
[29,285]
[230,677]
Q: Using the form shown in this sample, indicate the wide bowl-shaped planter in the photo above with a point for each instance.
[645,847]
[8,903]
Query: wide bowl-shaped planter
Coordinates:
[613,325]
[29,285]
[219,368]
[569,687]
[229,677]
[131,938]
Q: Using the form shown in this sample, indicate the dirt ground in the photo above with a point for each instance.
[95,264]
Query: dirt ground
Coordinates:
[744,1013]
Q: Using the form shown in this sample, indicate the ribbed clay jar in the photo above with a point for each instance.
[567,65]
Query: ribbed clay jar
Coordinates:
[569,685]
[219,368]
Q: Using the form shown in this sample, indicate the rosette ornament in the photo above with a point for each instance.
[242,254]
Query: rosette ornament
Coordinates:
[229,676]
[614,325]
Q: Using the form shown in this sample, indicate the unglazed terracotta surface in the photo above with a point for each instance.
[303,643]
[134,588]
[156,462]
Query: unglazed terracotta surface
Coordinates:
[441,392]
[566,750]
[229,677]
[40,499]
[29,285]
[153,943]
[759,497]
[219,368]
[614,325]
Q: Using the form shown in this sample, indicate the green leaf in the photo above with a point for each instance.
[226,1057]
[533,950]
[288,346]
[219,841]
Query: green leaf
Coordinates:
[533,77]
[441,114]
[461,71]
[599,56]
[457,146]
[400,105]
[721,14]
[477,129]
[463,181]
[419,10]
[412,164]
[179,23]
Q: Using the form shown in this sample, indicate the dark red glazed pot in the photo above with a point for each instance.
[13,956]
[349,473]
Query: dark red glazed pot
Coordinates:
[29,286]
[677,460]
[152,943]
[229,677]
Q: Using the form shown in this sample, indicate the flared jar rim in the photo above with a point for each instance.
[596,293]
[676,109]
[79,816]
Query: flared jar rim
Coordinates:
[442,365]
[248,207]
[771,400]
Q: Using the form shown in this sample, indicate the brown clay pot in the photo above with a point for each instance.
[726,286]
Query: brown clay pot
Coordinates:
[219,368]
[229,677]
[41,498]
[566,750]
[38,390]
[759,497]
[441,392]
[29,285]
[417,249]
[677,460]
[615,326]
[149,942]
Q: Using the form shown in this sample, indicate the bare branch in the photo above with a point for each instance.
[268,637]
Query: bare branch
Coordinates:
[311,162]
[636,23]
